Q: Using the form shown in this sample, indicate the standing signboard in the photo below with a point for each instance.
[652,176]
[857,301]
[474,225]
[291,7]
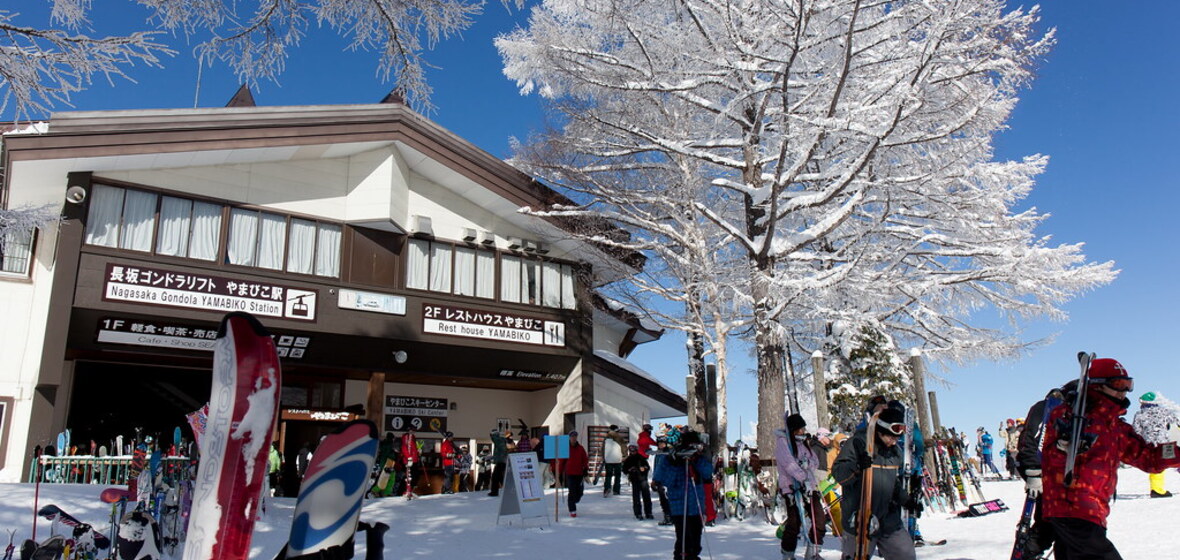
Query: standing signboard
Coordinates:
[522,488]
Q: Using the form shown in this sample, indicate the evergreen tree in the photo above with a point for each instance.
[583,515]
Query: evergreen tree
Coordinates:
[868,365]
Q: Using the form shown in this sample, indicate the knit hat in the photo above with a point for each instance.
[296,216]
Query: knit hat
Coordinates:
[573,433]
[1148,397]
[1102,368]
[823,432]
[888,417]
[794,422]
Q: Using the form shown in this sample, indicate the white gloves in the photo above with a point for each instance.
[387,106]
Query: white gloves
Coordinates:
[1032,482]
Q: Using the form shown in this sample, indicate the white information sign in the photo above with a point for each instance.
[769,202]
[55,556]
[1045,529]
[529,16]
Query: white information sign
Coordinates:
[522,488]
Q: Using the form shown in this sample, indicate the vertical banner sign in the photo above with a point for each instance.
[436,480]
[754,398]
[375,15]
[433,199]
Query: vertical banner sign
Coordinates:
[423,413]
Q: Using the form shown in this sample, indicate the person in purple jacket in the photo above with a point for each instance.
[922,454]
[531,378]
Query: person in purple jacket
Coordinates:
[796,481]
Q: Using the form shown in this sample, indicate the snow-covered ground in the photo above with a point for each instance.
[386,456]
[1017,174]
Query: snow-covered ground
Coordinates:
[465,526]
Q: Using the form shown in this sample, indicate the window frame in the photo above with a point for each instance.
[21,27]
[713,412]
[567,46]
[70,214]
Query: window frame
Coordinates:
[32,256]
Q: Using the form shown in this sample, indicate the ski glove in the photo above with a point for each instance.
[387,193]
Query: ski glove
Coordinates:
[1032,482]
[914,506]
[863,461]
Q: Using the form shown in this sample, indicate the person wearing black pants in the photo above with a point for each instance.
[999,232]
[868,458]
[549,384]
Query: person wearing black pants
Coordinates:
[575,472]
[635,465]
[499,461]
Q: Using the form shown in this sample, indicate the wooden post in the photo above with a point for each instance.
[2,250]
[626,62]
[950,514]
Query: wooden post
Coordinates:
[716,440]
[918,370]
[375,403]
[822,420]
[934,412]
[690,385]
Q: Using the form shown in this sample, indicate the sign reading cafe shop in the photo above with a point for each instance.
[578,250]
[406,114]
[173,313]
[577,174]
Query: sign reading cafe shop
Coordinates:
[183,336]
[423,413]
[139,284]
[491,325]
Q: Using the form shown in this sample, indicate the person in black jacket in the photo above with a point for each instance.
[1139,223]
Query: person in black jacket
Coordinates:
[636,467]
[1028,463]
[892,539]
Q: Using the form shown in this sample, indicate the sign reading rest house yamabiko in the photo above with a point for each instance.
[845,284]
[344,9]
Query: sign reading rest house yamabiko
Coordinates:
[153,286]
[491,325]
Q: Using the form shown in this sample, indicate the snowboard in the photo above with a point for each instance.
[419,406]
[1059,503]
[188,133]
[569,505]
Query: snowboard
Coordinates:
[243,406]
[139,537]
[49,549]
[330,495]
[385,481]
[81,530]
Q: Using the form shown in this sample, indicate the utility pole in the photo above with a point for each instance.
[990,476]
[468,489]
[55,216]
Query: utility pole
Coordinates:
[822,419]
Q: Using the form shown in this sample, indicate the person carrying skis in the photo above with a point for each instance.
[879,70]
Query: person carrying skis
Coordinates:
[447,451]
[891,539]
[682,473]
[411,457]
[574,470]
[796,481]
[983,448]
[637,469]
[499,460]
[1078,512]
[1152,422]
[1028,464]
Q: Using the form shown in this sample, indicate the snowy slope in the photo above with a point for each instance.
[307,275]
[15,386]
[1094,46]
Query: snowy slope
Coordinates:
[465,526]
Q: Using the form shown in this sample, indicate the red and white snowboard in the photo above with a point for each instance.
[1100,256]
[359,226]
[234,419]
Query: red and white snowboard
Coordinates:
[242,409]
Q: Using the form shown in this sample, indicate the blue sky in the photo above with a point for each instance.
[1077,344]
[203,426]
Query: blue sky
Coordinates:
[1104,108]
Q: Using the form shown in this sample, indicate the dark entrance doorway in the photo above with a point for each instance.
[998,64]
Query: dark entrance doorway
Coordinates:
[109,400]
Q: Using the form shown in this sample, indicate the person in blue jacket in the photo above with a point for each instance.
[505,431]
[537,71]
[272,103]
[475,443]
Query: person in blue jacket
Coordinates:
[984,447]
[682,474]
[918,451]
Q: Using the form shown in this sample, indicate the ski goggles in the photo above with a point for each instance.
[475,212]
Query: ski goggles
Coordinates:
[895,428]
[1115,383]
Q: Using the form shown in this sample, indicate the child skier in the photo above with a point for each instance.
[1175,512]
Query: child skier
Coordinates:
[1152,422]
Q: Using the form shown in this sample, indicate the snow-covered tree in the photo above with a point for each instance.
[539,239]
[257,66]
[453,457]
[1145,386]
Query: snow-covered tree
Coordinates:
[40,66]
[868,365]
[844,147]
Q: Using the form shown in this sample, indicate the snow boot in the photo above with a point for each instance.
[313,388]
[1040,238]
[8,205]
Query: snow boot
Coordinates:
[1166,494]
[667,521]
[812,553]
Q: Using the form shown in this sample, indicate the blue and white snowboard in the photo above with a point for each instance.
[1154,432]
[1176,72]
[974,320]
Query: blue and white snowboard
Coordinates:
[330,496]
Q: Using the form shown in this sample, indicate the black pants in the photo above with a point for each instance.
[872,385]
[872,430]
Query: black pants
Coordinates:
[640,496]
[575,491]
[688,537]
[497,478]
[662,494]
[448,483]
[1082,540]
[614,475]
[1040,535]
[813,509]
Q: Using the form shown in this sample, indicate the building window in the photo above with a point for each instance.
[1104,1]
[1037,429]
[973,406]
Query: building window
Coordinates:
[449,268]
[16,252]
[180,227]
[536,282]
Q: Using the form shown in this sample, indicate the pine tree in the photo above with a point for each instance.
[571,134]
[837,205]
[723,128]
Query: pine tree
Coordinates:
[871,366]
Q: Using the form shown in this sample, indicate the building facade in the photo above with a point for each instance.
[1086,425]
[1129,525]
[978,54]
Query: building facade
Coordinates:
[387,256]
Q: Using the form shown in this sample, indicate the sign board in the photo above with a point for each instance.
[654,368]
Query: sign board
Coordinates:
[557,447]
[388,304]
[491,325]
[423,413]
[522,487]
[182,336]
[318,415]
[170,288]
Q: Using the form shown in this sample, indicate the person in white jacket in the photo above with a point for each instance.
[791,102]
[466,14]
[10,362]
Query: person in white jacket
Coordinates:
[796,481]
[612,457]
[1153,421]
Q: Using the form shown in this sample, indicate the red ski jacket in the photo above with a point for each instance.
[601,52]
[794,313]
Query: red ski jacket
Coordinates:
[1096,470]
[578,462]
[447,450]
[409,447]
[645,443]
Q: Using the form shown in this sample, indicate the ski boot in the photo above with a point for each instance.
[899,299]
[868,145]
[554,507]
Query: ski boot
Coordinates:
[666,521]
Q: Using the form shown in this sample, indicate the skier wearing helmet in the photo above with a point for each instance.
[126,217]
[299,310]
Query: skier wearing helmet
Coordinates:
[1078,512]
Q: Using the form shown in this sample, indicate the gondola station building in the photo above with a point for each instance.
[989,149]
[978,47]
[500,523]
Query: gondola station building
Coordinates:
[387,256]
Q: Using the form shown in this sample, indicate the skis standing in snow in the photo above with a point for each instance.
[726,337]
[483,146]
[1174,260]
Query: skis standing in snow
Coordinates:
[243,407]
[1078,506]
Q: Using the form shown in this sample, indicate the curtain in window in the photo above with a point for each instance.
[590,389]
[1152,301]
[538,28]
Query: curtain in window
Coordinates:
[418,264]
[139,220]
[465,271]
[567,287]
[301,247]
[16,250]
[510,279]
[172,235]
[327,254]
[440,267]
[243,237]
[485,274]
[206,231]
[551,285]
[272,241]
[106,207]
[531,282]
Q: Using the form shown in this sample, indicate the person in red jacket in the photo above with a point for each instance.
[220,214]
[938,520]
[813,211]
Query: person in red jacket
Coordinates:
[1078,513]
[645,442]
[575,472]
[410,456]
[447,450]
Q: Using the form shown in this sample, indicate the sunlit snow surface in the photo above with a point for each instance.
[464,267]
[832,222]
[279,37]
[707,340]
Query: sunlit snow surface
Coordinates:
[464,526]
